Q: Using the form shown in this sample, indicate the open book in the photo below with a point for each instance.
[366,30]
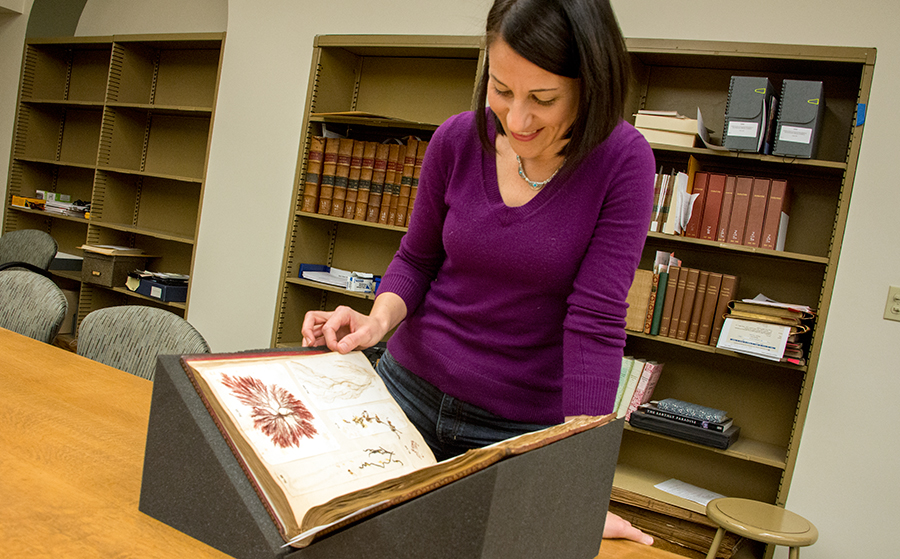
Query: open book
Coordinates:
[322,441]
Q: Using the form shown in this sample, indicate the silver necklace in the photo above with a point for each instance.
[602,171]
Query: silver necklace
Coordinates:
[536,185]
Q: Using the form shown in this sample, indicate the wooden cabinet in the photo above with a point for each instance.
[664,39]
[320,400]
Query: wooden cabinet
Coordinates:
[417,82]
[768,400]
[123,122]
[425,79]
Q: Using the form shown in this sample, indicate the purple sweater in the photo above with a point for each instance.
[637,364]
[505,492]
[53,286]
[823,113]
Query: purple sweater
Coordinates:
[521,311]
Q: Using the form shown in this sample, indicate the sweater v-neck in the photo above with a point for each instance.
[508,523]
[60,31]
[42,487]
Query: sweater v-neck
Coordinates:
[510,214]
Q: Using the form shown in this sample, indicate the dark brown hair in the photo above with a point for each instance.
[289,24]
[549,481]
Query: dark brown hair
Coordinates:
[577,39]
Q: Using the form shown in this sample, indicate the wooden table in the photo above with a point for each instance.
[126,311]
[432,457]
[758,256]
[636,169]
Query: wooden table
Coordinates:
[72,435]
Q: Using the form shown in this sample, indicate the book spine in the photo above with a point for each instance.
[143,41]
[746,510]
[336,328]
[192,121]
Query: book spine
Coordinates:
[727,292]
[341,177]
[633,377]
[714,198]
[671,287]
[778,205]
[669,206]
[651,303]
[678,303]
[663,284]
[409,166]
[379,173]
[684,419]
[365,181]
[417,171]
[699,298]
[624,372]
[390,176]
[329,168]
[710,301]
[690,291]
[356,158]
[725,212]
[313,177]
[657,200]
[738,220]
[646,384]
[638,299]
[756,213]
[692,229]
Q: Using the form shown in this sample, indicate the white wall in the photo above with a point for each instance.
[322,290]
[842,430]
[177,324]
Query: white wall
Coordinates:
[843,481]
[12,37]
[255,142]
[134,17]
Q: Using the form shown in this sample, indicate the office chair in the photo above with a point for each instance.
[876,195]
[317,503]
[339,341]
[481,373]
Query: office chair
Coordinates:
[27,248]
[31,304]
[130,337]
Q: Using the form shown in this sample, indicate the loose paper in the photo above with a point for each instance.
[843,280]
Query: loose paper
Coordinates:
[688,491]
[759,339]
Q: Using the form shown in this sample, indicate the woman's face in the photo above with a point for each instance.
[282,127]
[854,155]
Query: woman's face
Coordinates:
[536,107]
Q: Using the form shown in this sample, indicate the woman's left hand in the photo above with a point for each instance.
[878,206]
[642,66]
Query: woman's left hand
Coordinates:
[617,527]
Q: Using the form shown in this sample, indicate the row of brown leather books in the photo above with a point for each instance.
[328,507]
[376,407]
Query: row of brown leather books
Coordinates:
[682,303]
[363,180]
[743,210]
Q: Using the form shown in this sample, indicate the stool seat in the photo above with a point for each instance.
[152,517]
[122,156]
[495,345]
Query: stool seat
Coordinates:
[761,522]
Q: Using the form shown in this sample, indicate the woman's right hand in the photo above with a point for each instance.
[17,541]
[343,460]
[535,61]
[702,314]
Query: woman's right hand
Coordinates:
[344,329]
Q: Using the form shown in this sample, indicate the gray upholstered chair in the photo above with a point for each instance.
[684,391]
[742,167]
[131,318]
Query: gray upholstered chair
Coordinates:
[130,337]
[30,246]
[31,304]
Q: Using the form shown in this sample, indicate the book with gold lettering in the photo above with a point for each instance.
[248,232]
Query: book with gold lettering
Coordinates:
[323,443]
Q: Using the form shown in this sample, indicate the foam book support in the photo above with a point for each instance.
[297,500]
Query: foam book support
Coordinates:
[549,502]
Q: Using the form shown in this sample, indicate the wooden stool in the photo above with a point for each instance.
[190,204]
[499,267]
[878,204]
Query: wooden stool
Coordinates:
[761,522]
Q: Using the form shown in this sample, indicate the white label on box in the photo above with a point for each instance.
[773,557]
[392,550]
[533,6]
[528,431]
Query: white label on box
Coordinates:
[156,292]
[743,129]
[795,134]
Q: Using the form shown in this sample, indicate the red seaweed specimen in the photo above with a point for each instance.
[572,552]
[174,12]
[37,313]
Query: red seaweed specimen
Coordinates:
[275,411]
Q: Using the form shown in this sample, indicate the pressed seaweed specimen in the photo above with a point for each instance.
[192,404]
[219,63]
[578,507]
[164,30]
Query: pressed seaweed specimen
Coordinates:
[274,410]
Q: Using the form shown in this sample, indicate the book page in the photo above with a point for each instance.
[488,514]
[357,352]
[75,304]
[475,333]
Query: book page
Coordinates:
[321,424]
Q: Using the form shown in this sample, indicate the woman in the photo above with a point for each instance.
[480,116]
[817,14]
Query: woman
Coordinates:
[508,291]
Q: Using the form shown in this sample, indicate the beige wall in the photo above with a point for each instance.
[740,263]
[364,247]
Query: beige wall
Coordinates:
[844,479]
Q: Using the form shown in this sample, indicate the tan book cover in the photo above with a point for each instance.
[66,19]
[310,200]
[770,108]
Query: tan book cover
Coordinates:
[329,169]
[778,211]
[725,213]
[323,442]
[379,172]
[638,299]
[679,302]
[738,221]
[713,285]
[417,171]
[671,287]
[698,187]
[406,177]
[341,177]
[727,292]
[356,160]
[391,177]
[365,180]
[714,199]
[756,213]
[697,308]
[313,177]
[687,304]
[771,310]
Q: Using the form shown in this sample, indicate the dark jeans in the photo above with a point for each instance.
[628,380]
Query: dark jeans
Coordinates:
[449,425]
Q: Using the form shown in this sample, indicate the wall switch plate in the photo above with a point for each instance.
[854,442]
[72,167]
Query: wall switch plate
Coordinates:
[892,308]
